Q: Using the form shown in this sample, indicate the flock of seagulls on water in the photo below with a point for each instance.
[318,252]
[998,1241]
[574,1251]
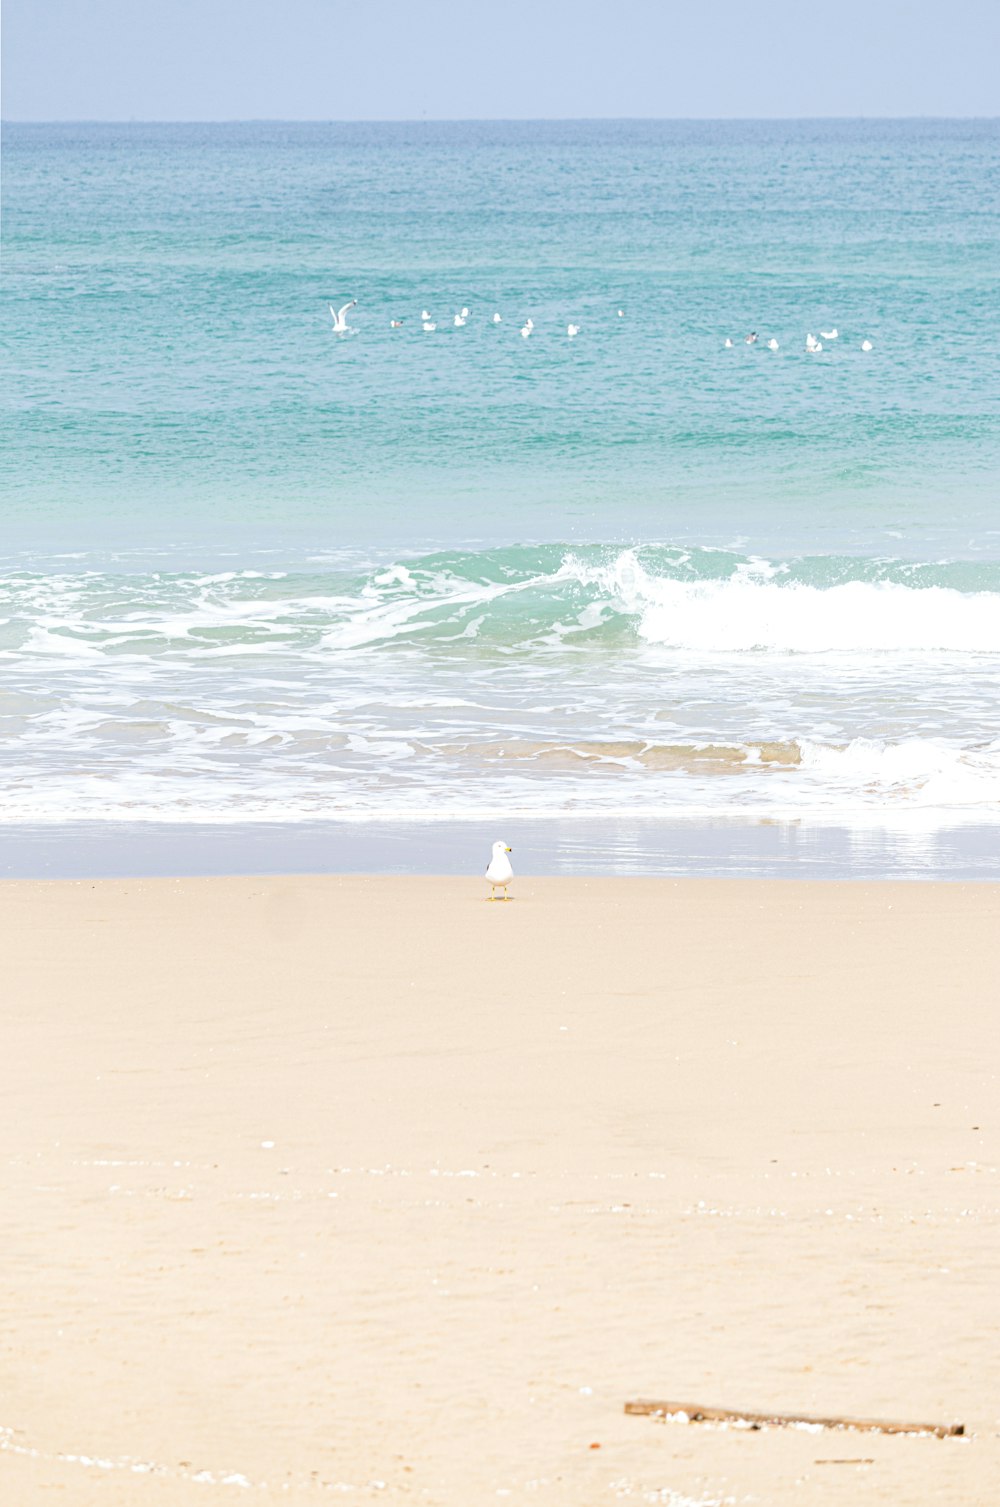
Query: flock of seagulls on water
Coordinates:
[429,324]
[813,346]
[459,320]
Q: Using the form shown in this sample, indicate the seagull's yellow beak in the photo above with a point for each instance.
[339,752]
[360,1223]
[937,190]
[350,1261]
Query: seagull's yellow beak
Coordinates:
[510,850]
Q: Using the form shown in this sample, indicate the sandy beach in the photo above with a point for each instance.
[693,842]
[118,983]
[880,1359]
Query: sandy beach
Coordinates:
[365,1189]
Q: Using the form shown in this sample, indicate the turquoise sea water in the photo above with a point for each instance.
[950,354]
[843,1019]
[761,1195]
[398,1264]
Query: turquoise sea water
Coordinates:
[253,570]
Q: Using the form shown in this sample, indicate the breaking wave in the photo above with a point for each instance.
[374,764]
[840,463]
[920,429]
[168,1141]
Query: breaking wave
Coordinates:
[532,679]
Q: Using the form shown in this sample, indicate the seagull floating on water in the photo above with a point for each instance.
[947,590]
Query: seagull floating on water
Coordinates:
[772,345]
[429,326]
[828,334]
[497,319]
[729,344]
[752,338]
[459,321]
[499,871]
[395,324]
[866,345]
[811,342]
[340,317]
[815,348]
[572,329]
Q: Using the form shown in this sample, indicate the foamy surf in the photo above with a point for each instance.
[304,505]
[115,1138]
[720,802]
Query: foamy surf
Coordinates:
[529,680]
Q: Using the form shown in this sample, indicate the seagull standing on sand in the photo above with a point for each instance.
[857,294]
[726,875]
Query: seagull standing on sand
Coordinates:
[499,871]
[340,317]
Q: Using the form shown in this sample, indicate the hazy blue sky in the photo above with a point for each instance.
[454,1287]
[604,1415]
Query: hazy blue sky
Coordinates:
[445,59]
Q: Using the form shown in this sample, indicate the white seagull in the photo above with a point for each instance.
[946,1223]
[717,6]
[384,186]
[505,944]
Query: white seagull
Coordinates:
[497,319]
[572,329]
[340,317]
[772,345]
[866,345]
[429,326]
[425,314]
[459,321]
[815,348]
[811,342]
[752,338]
[828,334]
[729,344]
[499,871]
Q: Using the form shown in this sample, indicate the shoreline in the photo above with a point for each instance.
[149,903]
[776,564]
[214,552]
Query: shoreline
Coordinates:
[366,1186]
[569,845]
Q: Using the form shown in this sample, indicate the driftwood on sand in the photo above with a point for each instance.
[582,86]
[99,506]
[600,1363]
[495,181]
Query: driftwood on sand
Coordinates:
[694,1412]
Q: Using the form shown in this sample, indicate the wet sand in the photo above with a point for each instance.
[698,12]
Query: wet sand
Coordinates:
[353,1189]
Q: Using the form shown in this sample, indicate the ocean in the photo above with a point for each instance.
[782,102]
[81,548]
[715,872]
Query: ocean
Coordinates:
[607,592]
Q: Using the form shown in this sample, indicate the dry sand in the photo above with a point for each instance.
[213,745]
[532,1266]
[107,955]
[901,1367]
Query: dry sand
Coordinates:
[364,1189]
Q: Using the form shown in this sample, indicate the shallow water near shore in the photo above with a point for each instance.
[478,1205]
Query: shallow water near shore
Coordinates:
[581,846]
[254,572]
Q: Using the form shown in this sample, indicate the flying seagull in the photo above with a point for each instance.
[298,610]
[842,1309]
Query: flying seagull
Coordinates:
[340,317]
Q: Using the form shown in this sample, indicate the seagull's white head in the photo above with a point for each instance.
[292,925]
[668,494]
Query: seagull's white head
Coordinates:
[501,847]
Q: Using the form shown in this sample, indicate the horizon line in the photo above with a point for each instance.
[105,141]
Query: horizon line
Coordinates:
[443,120]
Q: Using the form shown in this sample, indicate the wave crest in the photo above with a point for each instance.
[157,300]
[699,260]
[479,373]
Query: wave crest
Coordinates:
[754,609]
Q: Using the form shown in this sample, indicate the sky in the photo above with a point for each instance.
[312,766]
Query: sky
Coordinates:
[508,59]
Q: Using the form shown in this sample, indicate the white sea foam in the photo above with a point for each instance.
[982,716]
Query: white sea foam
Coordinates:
[671,682]
[752,610]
